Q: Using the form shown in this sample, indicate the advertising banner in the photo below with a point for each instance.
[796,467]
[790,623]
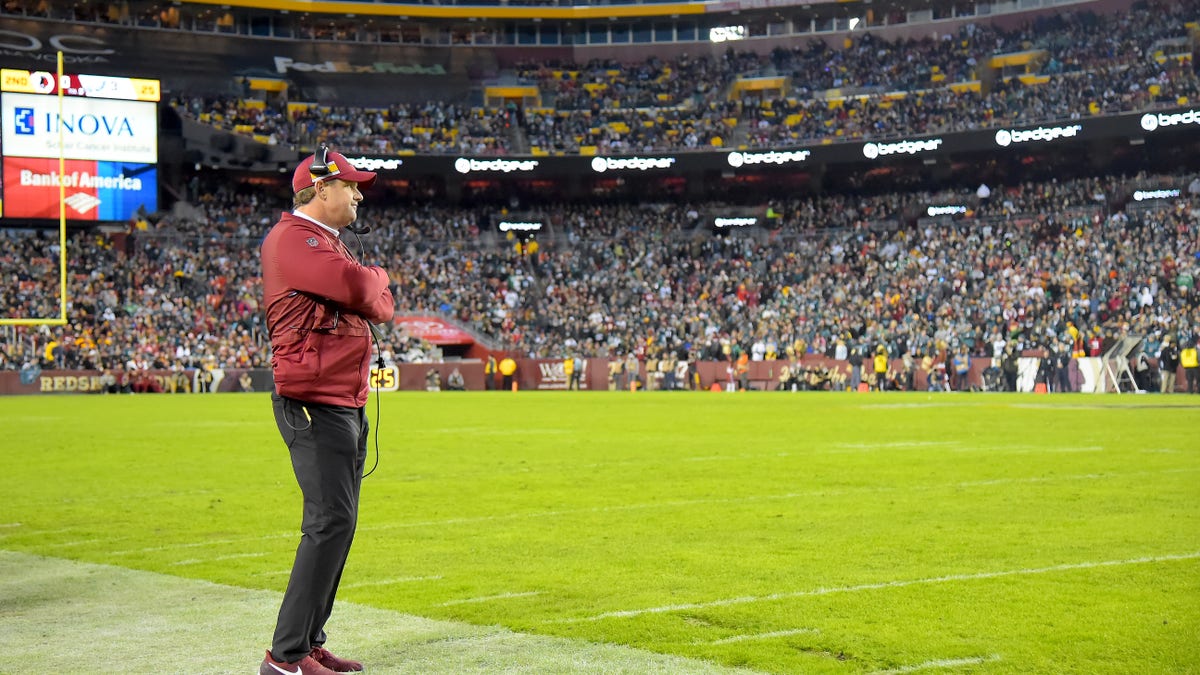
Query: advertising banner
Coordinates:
[36,381]
[1017,139]
[531,375]
[549,374]
[92,128]
[434,330]
[103,191]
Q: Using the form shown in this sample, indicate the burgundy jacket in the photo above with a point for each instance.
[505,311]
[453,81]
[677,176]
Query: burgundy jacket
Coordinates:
[318,300]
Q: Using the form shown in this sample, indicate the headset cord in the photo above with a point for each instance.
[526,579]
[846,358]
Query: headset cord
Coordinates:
[379,363]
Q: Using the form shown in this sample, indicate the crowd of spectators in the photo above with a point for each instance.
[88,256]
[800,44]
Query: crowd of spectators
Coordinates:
[1096,64]
[136,301]
[1038,265]
[788,121]
[1028,260]
[653,83]
[431,127]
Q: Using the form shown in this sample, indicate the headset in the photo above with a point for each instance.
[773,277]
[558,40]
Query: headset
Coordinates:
[320,169]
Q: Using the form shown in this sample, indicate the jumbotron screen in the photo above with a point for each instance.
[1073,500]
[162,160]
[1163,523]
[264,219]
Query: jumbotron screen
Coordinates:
[106,131]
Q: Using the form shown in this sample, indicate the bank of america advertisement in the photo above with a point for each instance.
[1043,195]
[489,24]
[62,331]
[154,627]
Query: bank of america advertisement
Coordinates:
[93,128]
[104,191]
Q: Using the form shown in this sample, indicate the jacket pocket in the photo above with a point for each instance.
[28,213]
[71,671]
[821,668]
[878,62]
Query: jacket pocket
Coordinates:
[297,372]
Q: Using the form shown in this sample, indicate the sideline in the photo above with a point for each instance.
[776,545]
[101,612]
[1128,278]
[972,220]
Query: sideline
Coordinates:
[70,617]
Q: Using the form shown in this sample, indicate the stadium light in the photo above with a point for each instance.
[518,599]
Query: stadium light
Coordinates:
[726,33]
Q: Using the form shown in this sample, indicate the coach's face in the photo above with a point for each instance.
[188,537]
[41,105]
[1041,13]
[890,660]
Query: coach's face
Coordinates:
[339,200]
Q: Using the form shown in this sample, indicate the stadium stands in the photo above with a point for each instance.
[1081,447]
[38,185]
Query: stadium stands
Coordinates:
[1070,66]
[623,279]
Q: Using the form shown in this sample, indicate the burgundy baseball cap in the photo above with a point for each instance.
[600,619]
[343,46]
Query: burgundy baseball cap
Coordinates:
[339,167]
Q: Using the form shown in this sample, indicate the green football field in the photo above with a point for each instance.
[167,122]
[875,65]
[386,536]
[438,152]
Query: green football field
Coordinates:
[587,532]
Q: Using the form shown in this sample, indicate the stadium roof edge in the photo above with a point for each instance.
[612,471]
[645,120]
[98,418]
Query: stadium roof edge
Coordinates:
[477,11]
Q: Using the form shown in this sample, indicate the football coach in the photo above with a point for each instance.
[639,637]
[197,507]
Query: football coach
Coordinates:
[319,300]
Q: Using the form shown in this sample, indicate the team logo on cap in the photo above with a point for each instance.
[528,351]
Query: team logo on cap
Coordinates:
[332,170]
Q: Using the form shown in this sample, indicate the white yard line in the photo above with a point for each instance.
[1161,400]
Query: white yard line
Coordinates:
[388,582]
[763,636]
[205,543]
[74,542]
[232,556]
[132,497]
[490,598]
[1019,450]
[37,533]
[895,444]
[627,613]
[276,573]
[939,663]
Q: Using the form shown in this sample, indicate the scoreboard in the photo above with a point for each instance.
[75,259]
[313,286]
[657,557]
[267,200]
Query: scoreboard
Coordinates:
[104,128]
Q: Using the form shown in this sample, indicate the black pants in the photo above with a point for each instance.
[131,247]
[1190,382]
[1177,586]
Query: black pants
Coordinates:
[1193,380]
[328,445]
[1064,380]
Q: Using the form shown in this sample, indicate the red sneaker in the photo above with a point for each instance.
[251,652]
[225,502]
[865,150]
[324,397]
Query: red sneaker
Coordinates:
[305,666]
[335,663]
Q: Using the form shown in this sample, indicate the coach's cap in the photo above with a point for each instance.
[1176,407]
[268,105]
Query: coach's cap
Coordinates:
[338,167]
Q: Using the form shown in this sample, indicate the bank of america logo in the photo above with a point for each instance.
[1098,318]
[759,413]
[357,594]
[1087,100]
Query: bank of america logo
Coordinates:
[23,121]
[82,202]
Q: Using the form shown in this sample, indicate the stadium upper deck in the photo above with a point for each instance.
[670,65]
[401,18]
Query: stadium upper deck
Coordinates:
[759,24]
[835,95]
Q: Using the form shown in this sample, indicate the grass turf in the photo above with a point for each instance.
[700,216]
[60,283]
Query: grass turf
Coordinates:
[778,532]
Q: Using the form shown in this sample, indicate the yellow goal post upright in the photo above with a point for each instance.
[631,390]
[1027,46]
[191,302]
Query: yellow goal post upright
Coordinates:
[61,319]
